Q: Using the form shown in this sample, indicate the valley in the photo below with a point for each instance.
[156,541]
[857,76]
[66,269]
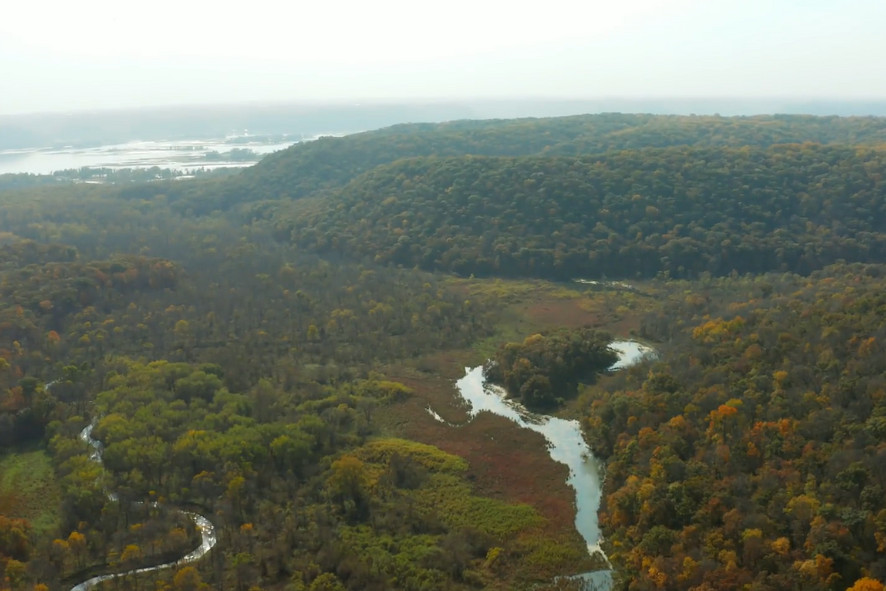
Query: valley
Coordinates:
[264,349]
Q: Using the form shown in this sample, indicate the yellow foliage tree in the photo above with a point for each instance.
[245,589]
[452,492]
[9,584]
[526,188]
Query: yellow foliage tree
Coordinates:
[866,584]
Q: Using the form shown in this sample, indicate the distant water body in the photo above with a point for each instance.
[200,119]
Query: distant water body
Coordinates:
[182,155]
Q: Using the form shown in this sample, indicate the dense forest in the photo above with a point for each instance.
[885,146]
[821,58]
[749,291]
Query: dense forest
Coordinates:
[544,370]
[752,456]
[327,165]
[678,211]
[264,349]
[333,162]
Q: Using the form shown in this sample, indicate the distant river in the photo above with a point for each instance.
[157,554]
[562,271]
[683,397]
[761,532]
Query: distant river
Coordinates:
[182,155]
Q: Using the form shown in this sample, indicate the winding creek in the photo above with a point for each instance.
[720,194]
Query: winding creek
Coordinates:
[204,526]
[566,445]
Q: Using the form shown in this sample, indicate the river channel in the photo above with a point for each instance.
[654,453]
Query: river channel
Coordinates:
[208,538]
[566,445]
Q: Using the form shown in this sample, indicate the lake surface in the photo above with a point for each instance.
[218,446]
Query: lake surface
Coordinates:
[182,155]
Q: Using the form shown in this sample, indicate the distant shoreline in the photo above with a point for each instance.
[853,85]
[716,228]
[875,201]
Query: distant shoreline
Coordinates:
[35,130]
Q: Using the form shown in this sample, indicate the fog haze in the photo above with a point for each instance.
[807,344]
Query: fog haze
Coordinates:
[98,54]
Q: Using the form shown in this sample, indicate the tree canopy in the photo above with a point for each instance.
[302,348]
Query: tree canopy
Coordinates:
[264,349]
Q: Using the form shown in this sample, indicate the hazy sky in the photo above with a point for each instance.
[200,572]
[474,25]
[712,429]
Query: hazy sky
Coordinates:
[59,55]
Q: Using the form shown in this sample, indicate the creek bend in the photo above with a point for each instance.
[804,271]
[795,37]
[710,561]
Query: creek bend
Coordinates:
[208,538]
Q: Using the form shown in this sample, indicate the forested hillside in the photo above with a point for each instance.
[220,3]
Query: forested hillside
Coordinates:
[753,453]
[313,168]
[640,213]
[277,350]
[332,162]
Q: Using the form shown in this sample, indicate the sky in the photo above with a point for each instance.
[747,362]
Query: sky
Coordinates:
[58,55]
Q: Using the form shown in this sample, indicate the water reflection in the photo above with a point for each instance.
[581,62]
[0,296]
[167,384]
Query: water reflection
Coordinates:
[184,155]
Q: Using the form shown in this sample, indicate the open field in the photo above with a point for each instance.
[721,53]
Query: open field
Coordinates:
[28,488]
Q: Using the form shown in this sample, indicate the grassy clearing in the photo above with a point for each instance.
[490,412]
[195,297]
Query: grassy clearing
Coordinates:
[511,488]
[515,536]
[430,457]
[28,489]
[528,306]
[454,501]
